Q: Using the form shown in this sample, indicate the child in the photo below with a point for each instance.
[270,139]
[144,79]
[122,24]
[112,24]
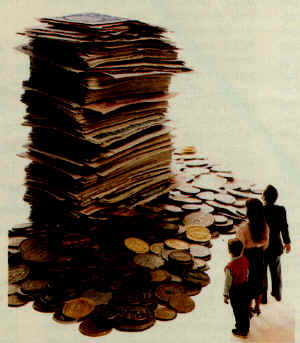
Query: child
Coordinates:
[236,276]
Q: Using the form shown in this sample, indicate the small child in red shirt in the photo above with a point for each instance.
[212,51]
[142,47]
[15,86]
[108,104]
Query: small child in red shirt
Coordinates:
[235,289]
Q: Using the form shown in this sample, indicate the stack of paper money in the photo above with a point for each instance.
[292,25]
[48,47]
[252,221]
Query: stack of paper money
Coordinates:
[97,98]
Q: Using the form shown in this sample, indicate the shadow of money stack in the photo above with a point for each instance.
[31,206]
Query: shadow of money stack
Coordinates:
[96,98]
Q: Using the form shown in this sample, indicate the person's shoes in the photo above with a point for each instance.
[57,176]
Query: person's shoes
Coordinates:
[264,299]
[238,333]
[257,311]
[277,297]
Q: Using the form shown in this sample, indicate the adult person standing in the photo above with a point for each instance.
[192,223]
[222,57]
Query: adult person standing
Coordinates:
[255,237]
[278,226]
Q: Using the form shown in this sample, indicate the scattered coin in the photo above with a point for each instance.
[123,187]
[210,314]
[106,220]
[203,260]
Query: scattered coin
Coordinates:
[197,278]
[206,208]
[180,256]
[99,298]
[188,150]
[157,248]
[196,163]
[182,303]
[14,242]
[78,308]
[165,291]
[137,245]
[18,273]
[188,189]
[135,318]
[239,203]
[192,289]
[200,251]
[12,289]
[186,199]
[206,195]
[164,313]
[220,219]
[34,250]
[172,208]
[239,194]
[33,285]
[15,301]
[198,233]
[258,191]
[175,278]
[199,218]
[199,264]
[177,244]
[191,207]
[149,261]
[226,176]
[225,199]
[159,275]
[60,318]
[105,312]
[94,329]
[221,227]
[165,253]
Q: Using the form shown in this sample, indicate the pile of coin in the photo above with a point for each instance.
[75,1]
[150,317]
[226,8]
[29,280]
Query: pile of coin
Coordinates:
[139,265]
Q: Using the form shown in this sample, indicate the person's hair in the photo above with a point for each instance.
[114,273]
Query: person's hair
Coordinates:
[256,216]
[270,194]
[235,246]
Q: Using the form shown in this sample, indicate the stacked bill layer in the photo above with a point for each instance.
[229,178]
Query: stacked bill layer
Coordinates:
[97,99]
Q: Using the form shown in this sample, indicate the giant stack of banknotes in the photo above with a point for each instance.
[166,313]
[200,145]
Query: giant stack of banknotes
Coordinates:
[97,98]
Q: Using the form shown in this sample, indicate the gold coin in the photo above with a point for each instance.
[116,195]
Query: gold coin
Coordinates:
[78,308]
[198,233]
[177,244]
[159,275]
[137,245]
[188,150]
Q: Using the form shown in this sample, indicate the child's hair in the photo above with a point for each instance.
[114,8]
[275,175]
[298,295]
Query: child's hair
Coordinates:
[235,246]
[270,194]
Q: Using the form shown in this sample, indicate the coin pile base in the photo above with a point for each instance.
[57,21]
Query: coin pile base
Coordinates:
[136,266]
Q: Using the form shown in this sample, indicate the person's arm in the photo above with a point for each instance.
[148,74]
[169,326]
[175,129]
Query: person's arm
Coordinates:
[284,229]
[240,235]
[228,283]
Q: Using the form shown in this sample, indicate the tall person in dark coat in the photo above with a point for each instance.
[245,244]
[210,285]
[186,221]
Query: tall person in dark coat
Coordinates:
[278,230]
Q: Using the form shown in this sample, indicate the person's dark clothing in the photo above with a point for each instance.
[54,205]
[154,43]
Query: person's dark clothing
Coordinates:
[273,262]
[240,305]
[278,232]
[238,292]
[278,226]
[255,257]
